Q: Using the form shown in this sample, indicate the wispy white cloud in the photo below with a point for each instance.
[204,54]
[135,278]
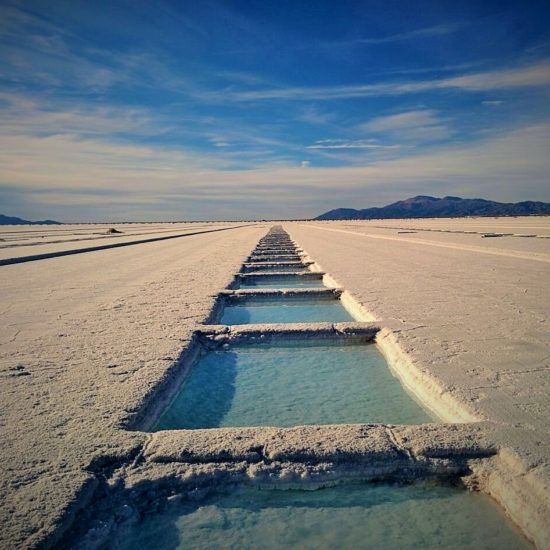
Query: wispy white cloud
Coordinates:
[411,126]
[233,144]
[521,77]
[315,116]
[445,68]
[26,115]
[53,57]
[425,32]
[531,76]
[408,119]
[345,144]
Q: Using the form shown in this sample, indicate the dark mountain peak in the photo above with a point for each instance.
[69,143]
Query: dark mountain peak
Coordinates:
[419,199]
[12,220]
[422,198]
[423,206]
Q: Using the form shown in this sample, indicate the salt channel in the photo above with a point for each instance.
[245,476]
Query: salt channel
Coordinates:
[287,308]
[256,379]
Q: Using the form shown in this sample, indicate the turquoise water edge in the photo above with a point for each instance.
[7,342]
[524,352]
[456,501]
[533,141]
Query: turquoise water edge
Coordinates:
[290,385]
[370,516]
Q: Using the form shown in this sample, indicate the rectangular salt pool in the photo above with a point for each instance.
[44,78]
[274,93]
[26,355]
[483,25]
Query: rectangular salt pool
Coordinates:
[275,258]
[291,384]
[284,310]
[281,282]
[277,268]
[376,517]
[266,251]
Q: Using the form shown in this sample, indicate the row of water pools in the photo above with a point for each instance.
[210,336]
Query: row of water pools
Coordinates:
[293,382]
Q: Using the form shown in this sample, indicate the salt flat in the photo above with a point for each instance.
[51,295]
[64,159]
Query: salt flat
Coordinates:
[537,225]
[59,239]
[87,339]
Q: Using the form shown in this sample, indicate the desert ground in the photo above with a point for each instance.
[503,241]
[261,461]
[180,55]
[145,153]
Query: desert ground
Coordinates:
[91,338]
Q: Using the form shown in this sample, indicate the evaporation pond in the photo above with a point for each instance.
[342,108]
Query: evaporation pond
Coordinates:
[291,385]
[284,310]
[281,282]
[277,268]
[374,517]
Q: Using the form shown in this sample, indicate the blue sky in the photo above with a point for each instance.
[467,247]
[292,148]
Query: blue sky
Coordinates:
[137,110]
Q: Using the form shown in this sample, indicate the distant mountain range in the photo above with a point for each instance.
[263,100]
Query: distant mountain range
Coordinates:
[432,207]
[12,220]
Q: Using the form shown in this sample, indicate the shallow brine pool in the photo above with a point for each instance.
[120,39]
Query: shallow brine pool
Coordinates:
[284,310]
[280,282]
[291,384]
[278,268]
[275,258]
[373,517]
[275,251]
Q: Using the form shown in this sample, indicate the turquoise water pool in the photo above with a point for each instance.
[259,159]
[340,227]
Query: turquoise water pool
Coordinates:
[284,310]
[277,268]
[281,282]
[373,517]
[275,258]
[291,384]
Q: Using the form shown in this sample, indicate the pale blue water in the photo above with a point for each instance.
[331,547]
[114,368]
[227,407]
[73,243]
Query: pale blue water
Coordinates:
[284,310]
[272,258]
[349,517]
[274,251]
[296,267]
[255,259]
[291,384]
[281,282]
[275,257]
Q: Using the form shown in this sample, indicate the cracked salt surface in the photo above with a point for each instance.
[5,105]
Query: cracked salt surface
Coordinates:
[377,516]
[291,384]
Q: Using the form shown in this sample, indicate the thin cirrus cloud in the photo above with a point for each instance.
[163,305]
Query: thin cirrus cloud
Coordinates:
[34,118]
[343,144]
[530,76]
[411,126]
[425,32]
[420,33]
[27,115]
[408,119]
